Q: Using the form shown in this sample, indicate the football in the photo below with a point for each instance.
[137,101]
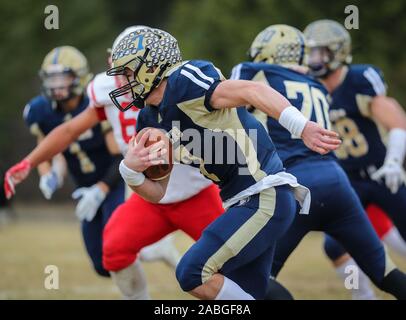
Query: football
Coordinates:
[161,171]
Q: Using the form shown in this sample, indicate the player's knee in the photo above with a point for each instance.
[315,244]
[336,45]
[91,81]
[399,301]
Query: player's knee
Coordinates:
[332,248]
[188,273]
[118,251]
[117,255]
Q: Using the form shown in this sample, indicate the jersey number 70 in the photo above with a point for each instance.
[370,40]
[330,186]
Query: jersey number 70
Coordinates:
[314,105]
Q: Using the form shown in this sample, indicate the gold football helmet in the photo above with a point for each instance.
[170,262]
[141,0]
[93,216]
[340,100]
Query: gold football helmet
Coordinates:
[279,44]
[330,47]
[143,55]
[64,73]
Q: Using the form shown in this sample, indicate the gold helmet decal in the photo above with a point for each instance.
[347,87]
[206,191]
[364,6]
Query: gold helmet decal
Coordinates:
[148,54]
[330,45]
[64,67]
[124,33]
[279,44]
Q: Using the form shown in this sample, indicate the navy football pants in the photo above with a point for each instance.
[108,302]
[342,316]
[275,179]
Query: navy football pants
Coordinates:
[372,192]
[336,210]
[240,243]
[92,231]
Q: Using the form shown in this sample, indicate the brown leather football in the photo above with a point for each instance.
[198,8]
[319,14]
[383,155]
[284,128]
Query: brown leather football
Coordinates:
[161,171]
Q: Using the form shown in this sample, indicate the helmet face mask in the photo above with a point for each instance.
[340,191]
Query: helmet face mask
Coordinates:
[320,59]
[64,74]
[331,43]
[138,88]
[59,86]
[132,89]
[143,56]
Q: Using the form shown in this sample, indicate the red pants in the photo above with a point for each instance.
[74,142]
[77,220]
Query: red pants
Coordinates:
[380,221]
[138,223]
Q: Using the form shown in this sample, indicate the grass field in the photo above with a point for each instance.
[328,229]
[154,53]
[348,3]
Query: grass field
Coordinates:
[49,235]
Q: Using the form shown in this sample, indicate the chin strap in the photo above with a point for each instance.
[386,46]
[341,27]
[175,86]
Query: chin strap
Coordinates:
[159,76]
[155,83]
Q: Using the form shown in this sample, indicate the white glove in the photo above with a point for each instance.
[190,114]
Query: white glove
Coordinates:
[393,173]
[49,183]
[91,199]
[392,168]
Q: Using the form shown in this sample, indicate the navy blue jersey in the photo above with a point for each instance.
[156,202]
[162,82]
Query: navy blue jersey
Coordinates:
[363,139]
[149,117]
[304,92]
[88,158]
[229,146]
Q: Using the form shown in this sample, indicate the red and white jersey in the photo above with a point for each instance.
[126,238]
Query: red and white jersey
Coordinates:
[123,123]
[185,181]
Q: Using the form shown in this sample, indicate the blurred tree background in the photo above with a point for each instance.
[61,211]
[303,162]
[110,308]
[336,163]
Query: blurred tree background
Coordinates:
[217,30]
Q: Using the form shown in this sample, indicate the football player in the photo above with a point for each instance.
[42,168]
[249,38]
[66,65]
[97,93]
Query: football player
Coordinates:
[371,124]
[137,223]
[195,104]
[279,58]
[92,158]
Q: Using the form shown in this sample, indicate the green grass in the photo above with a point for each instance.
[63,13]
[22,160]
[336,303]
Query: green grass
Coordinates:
[40,238]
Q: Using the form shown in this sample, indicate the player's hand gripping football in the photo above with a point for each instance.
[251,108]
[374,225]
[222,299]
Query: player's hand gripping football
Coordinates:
[139,157]
[319,139]
[15,175]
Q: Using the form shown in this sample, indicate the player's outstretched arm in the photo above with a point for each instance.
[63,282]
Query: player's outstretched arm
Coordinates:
[55,142]
[137,160]
[388,112]
[236,93]
[62,136]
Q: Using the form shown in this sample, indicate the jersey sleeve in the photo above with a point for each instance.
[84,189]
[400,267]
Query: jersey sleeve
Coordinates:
[32,119]
[242,72]
[98,92]
[101,113]
[371,82]
[196,80]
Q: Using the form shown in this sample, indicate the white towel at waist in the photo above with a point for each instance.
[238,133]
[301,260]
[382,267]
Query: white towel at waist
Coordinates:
[302,194]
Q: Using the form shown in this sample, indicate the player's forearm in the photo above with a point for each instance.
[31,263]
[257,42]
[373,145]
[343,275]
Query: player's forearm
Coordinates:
[44,168]
[236,93]
[268,100]
[55,142]
[150,190]
[62,136]
[111,143]
[388,112]
[112,176]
